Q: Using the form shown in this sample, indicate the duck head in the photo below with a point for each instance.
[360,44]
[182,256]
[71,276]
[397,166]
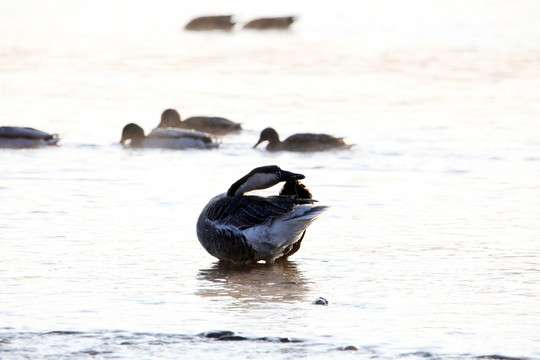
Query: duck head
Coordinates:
[170,118]
[132,132]
[270,135]
[261,178]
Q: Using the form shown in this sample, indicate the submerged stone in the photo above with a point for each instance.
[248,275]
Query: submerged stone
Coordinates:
[232,338]
[215,334]
[348,348]
[321,301]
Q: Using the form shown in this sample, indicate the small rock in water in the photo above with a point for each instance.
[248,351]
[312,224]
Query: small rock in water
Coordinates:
[216,334]
[279,339]
[348,348]
[321,301]
[232,338]
[498,357]
[423,354]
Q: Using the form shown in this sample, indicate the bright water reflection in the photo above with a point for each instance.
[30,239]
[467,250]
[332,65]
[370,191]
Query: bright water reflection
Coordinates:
[252,287]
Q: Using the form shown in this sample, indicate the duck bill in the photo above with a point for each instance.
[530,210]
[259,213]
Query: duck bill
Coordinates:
[286,175]
[258,142]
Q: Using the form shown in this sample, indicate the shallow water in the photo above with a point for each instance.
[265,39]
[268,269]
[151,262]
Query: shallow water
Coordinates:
[430,247]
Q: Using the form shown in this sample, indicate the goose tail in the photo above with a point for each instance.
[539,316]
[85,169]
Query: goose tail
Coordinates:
[300,219]
[307,214]
[290,231]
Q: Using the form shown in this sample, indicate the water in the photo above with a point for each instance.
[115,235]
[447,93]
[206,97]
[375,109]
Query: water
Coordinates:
[429,249]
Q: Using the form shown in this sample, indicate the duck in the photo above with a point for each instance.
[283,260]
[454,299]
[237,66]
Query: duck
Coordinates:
[240,229]
[16,137]
[270,23]
[213,22]
[301,142]
[165,138]
[209,124]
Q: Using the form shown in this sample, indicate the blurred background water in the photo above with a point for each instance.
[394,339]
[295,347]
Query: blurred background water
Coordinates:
[430,248]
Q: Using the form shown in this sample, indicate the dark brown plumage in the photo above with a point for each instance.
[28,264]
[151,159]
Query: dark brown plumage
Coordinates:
[209,124]
[294,187]
[301,142]
[270,23]
[218,22]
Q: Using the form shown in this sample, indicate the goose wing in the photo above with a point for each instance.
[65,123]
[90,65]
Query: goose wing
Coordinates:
[244,212]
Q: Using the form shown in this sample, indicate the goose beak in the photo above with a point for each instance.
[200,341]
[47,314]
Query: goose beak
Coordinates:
[285,175]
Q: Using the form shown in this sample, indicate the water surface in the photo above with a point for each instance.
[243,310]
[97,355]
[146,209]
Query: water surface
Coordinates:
[429,249]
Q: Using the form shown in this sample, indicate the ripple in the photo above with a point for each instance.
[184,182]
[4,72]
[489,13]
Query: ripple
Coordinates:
[119,344]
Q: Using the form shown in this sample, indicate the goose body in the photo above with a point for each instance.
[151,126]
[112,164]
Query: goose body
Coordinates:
[166,138]
[215,22]
[301,142]
[271,23]
[209,124]
[16,137]
[244,229]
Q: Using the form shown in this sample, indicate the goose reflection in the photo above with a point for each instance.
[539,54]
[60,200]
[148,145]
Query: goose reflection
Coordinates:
[253,286]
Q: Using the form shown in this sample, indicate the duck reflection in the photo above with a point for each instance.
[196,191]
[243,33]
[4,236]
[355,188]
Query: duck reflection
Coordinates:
[281,282]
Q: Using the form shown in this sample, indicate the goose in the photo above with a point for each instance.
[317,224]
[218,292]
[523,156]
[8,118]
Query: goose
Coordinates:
[301,142]
[168,138]
[244,229]
[209,124]
[215,22]
[271,23]
[16,137]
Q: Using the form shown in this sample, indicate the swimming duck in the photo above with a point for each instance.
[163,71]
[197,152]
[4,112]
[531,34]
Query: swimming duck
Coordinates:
[271,23]
[208,124]
[16,137]
[300,142]
[244,229]
[217,22]
[168,138]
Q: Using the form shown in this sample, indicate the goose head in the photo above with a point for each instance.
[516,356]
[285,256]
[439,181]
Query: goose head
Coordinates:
[133,133]
[270,135]
[170,118]
[261,178]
